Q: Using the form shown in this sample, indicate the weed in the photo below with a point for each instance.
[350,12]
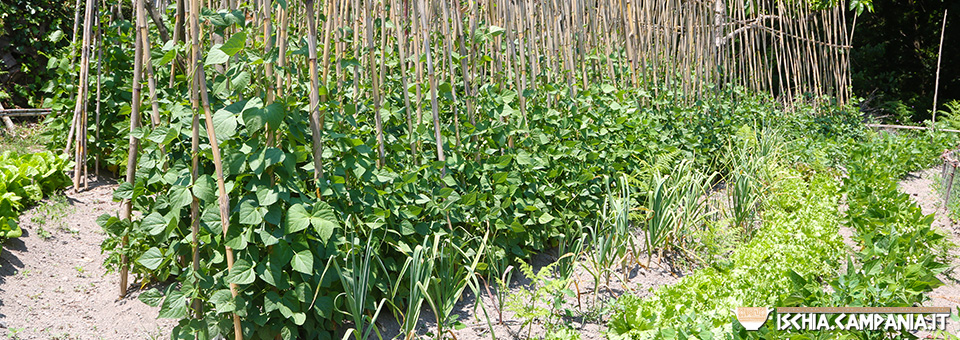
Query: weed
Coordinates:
[14,332]
[43,234]
[27,138]
[52,213]
[542,300]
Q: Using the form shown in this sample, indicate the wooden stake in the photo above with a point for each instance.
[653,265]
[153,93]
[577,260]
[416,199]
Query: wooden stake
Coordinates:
[126,206]
[936,86]
[224,200]
[314,112]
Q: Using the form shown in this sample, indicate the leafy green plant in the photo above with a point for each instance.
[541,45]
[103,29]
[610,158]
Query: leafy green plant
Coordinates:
[24,180]
[355,276]
[421,270]
[453,269]
[753,274]
[542,300]
[500,272]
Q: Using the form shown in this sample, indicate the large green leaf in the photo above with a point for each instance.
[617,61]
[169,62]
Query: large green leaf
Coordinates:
[271,301]
[224,124]
[223,301]
[303,261]
[151,297]
[174,306]
[250,213]
[179,196]
[152,258]
[205,188]
[242,273]
[234,44]
[154,224]
[256,117]
[297,219]
[216,56]
[324,220]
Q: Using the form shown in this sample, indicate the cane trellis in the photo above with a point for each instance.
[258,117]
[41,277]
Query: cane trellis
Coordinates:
[785,48]
[949,190]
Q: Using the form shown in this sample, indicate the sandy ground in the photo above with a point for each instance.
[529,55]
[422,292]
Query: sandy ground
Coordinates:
[920,186]
[55,287]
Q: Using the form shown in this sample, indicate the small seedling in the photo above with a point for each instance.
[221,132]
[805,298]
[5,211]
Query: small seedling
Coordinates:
[43,234]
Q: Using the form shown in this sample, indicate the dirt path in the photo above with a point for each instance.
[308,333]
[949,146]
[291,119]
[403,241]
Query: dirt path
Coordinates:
[52,281]
[920,186]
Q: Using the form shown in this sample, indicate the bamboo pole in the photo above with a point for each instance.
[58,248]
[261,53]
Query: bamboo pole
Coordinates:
[282,50]
[936,86]
[126,205]
[401,36]
[96,119]
[194,170]
[375,79]
[76,27]
[178,32]
[314,111]
[447,50]
[224,200]
[151,80]
[433,85]
[80,109]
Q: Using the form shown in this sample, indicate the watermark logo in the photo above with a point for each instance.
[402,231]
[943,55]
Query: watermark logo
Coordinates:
[752,317]
[847,318]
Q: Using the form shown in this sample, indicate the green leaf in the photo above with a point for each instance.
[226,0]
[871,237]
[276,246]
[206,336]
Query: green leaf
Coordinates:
[265,158]
[151,297]
[224,124]
[250,213]
[255,117]
[289,305]
[124,191]
[303,262]
[151,259]
[242,80]
[179,196]
[223,301]
[267,196]
[154,224]
[297,219]
[545,218]
[271,301]
[235,43]
[324,220]
[241,273]
[158,135]
[216,56]
[174,306]
[205,188]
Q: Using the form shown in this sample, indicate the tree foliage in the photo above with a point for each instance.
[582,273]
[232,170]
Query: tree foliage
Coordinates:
[894,57]
[30,31]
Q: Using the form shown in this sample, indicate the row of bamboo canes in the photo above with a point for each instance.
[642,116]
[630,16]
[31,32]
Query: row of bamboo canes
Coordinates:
[783,48]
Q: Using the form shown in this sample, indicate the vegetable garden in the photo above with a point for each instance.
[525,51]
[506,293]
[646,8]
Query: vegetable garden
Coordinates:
[305,170]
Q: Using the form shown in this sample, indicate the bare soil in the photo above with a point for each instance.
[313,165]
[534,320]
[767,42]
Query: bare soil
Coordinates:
[54,286]
[921,187]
